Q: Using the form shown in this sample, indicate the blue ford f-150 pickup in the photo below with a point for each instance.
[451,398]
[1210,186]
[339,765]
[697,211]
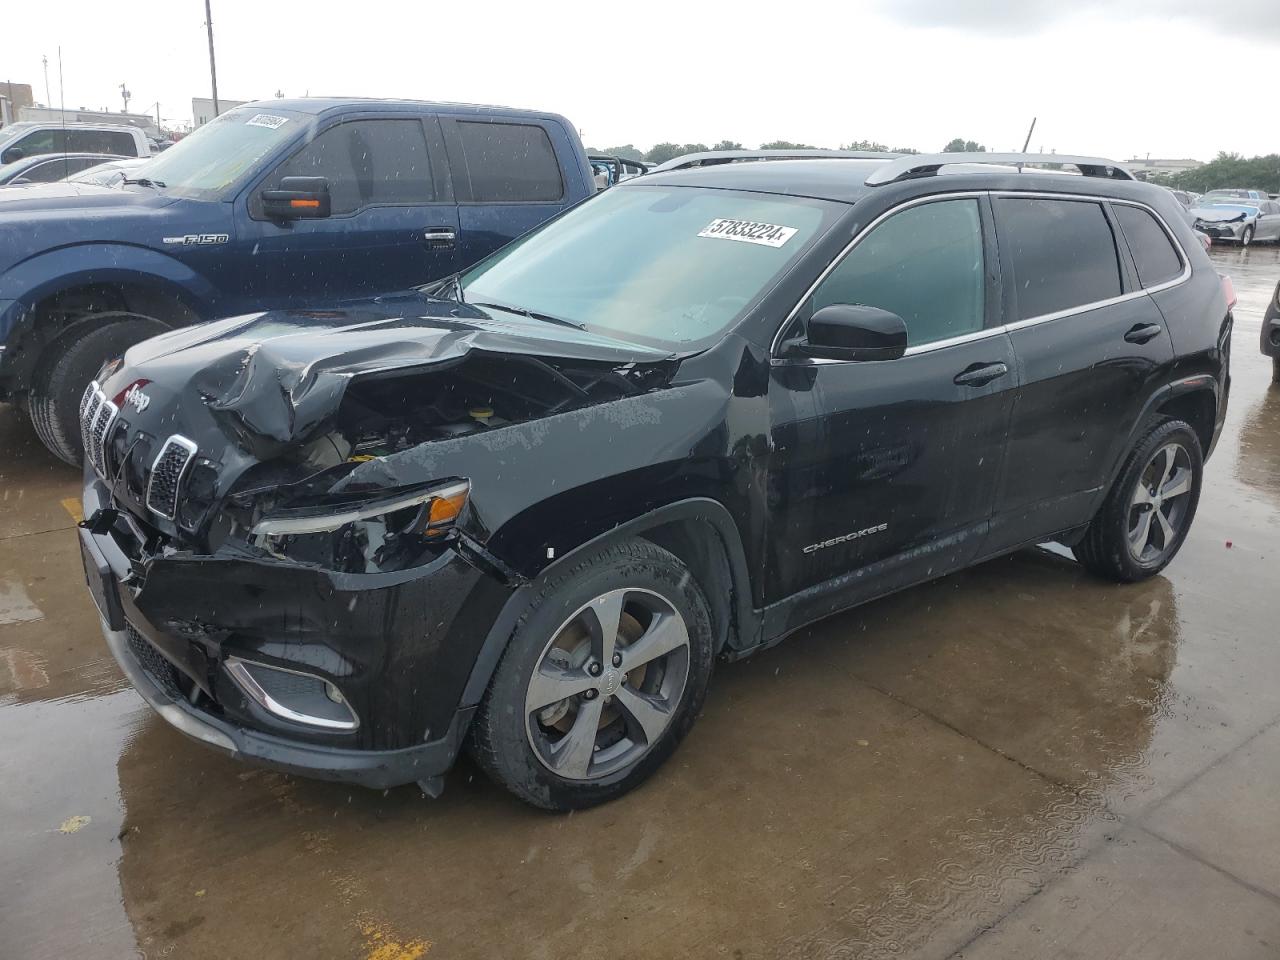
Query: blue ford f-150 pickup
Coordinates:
[287,203]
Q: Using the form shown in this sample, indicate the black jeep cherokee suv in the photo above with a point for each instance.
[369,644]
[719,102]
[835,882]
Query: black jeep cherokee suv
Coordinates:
[526,509]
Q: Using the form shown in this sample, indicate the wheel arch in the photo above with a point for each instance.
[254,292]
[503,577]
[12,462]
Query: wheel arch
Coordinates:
[700,531]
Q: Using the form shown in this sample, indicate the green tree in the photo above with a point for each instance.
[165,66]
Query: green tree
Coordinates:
[786,145]
[871,145]
[964,146]
[628,151]
[727,145]
[1228,170]
[662,152]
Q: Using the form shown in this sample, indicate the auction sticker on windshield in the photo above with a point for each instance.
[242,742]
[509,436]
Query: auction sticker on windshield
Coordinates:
[266,120]
[748,231]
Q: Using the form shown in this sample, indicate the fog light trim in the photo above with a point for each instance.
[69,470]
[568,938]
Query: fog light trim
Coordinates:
[242,674]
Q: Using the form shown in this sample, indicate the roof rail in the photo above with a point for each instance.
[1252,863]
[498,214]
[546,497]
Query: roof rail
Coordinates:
[712,157]
[928,164]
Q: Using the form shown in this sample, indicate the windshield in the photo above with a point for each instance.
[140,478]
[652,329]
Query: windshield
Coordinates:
[665,266]
[213,158]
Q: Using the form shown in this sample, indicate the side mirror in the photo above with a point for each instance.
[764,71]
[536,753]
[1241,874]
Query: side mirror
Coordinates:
[844,331]
[298,198]
[19,181]
[12,154]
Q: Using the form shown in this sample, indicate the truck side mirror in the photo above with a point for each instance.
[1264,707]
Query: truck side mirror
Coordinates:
[298,198]
[844,331]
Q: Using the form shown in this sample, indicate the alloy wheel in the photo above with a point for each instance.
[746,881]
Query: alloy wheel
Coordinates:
[607,684]
[1159,504]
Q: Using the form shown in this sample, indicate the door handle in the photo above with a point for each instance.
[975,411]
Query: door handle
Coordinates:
[440,236]
[980,374]
[1142,332]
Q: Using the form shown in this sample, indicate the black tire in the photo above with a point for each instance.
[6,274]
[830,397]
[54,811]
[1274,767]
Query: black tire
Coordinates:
[499,740]
[68,364]
[1246,237]
[1275,369]
[1105,550]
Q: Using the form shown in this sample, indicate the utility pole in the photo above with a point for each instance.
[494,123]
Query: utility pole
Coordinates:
[125,95]
[48,97]
[213,70]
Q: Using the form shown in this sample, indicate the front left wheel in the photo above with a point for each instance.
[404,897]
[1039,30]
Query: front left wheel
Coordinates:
[602,678]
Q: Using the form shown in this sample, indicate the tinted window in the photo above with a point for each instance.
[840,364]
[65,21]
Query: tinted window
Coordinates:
[367,162]
[510,162]
[925,264]
[1153,251]
[42,141]
[101,141]
[1063,254]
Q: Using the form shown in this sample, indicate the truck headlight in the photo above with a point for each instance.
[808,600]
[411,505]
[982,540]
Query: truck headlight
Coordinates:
[376,533]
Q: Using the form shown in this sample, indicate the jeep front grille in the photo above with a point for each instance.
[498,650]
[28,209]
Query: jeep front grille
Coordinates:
[97,414]
[167,473]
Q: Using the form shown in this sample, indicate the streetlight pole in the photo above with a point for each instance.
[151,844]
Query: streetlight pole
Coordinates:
[213,70]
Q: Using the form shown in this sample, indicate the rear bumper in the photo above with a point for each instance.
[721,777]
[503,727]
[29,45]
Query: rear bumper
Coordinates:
[378,769]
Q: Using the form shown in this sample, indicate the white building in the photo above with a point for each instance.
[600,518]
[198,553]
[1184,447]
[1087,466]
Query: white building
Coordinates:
[1143,168]
[202,108]
[143,121]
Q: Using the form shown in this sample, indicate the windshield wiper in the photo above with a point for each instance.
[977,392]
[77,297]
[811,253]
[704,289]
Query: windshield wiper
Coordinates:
[145,181]
[532,315]
[446,288]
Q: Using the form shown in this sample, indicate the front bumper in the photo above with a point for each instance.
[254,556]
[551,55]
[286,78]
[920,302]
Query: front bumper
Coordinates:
[1220,231]
[401,651]
[378,769]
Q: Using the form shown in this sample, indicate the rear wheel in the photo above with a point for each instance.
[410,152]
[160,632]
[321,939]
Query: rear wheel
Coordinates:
[65,369]
[603,677]
[1149,510]
[1275,369]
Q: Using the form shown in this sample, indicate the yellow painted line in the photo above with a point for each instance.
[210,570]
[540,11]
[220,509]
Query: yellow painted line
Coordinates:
[72,506]
[382,944]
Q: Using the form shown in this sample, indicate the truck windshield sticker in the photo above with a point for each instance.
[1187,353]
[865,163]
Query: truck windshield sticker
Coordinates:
[748,231]
[266,120]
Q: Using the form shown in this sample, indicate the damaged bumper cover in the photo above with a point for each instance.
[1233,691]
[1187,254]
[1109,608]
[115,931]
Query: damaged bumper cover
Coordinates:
[397,648]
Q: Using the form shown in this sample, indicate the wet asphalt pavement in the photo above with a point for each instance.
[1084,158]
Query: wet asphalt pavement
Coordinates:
[1016,761]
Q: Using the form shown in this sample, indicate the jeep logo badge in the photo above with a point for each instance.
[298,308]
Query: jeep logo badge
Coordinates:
[136,398]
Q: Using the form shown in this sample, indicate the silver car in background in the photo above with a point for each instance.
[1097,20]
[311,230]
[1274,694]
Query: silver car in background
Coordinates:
[1237,221]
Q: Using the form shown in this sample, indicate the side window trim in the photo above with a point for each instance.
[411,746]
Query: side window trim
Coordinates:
[1007,292]
[1173,239]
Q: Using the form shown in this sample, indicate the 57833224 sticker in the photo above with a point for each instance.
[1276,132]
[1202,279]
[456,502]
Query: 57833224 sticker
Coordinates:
[266,120]
[748,231]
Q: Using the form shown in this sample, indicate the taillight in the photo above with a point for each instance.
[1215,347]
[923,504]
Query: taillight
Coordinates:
[1228,290]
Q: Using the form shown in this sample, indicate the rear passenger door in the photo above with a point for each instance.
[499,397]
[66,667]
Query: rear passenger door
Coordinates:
[393,225]
[1089,343]
[508,180]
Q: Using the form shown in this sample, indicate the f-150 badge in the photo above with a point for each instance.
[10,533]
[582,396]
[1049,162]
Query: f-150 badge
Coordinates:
[198,239]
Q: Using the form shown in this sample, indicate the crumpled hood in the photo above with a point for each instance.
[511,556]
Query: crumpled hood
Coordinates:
[276,376]
[1216,213]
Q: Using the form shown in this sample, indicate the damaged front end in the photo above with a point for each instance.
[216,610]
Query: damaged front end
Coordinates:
[281,572]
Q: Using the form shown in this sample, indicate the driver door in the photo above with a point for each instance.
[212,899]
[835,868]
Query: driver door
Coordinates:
[885,472]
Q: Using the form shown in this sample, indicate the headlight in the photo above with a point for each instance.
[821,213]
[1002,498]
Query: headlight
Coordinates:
[378,533]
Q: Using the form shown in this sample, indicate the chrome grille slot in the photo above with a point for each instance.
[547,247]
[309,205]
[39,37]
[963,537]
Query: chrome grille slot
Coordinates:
[167,473]
[102,421]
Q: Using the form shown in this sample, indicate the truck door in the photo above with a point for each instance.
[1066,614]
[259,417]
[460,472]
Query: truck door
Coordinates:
[393,225]
[508,177]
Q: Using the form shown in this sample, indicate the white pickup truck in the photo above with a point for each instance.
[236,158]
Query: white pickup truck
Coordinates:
[29,138]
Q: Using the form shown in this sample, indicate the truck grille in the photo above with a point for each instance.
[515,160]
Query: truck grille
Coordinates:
[167,474]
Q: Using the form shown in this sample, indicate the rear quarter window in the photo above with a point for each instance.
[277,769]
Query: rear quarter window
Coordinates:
[1063,253]
[1153,252]
[510,162]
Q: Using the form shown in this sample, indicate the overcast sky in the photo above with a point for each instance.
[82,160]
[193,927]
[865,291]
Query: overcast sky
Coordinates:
[1120,78]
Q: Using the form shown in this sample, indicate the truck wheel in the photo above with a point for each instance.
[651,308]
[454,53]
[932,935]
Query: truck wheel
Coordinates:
[603,676]
[65,369]
[1275,369]
[1149,510]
